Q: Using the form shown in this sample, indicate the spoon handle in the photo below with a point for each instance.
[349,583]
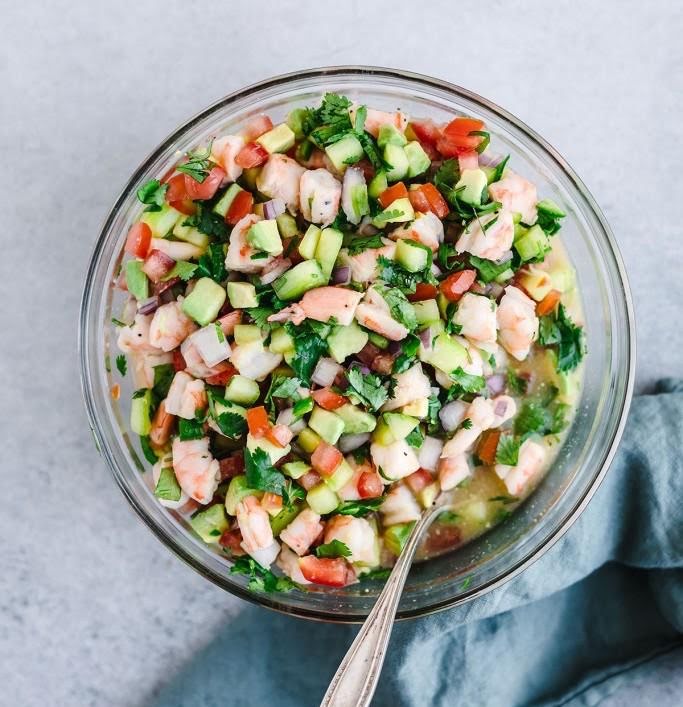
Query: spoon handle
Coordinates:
[354,683]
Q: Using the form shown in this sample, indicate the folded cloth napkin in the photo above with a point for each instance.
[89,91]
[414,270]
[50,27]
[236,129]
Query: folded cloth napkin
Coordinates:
[597,620]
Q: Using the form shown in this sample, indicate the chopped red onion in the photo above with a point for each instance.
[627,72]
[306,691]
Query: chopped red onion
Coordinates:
[429,453]
[426,337]
[273,208]
[275,269]
[325,372]
[394,347]
[347,443]
[286,417]
[496,384]
[489,160]
[157,264]
[436,270]
[151,304]
[341,275]
[452,414]
[365,370]
[500,407]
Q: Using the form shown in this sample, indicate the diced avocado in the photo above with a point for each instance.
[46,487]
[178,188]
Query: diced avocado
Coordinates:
[274,451]
[242,390]
[284,518]
[250,176]
[279,139]
[412,256]
[246,333]
[238,490]
[396,537]
[296,470]
[378,340]
[327,250]
[190,234]
[140,412]
[281,341]
[378,184]
[223,204]
[341,476]
[265,236]
[356,421]
[161,222]
[309,242]
[205,301]
[295,120]
[549,207]
[390,135]
[428,494]
[242,295]
[396,156]
[136,280]
[210,523]
[446,354]
[322,499]
[168,488]
[286,224]
[308,440]
[344,341]
[327,424]
[344,152]
[399,211]
[537,283]
[426,312]
[302,277]
[394,426]
[472,184]
[418,408]
[418,160]
[533,244]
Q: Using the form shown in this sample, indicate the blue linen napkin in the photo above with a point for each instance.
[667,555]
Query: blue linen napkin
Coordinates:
[597,620]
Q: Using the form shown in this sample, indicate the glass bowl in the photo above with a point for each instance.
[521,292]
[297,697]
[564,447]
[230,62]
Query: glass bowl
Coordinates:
[500,554]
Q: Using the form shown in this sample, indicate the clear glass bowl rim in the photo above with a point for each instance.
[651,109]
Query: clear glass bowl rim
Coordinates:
[322,73]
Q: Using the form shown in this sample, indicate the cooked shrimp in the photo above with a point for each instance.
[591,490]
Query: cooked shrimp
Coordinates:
[170,326]
[517,195]
[453,470]
[288,562]
[142,367]
[254,524]
[411,385]
[517,322]
[476,315]
[373,313]
[135,337]
[167,462]
[239,252]
[480,413]
[358,535]
[178,250]
[322,304]
[194,363]
[364,265]
[162,426]
[228,321]
[223,152]
[375,119]
[530,462]
[302,531]
[488,241]
[319,196]
[504,408]
[399,506]
[426,229]
[279,179]
[195,469]
[253,361]
[185,396]
[396,460]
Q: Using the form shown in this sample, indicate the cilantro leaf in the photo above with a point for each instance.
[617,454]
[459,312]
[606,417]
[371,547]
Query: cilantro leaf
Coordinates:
[150,454]
[369,389]
[190,429]
[335,548]
[397,276]
[181,269]
[433,413]
[122,364]
[153,194]
[549,216]
[466,424]
[560,331]
[261,474]
[536,418]
[198,164]
[309,346]
[415,438]
[409,349]
[516,384]
[380,574]
[212,263]
[291,493]
[464,383]
[507,451]
[282,387]
[498,171]
[208,222]
[401,310]
[231,424]
[163,377]
[358,244]
[387,215]
[358,509]
[261,579]
[372,151]
[448,174]
[332,120]
[489,270]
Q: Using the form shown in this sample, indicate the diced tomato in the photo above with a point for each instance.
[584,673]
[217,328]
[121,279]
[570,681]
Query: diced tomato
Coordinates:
[115,391]
[231,466]
[368,169]
[157,264]
[280,435]
[443,537]
[326,458]
[223,376]
[423,291]
[241,205]
[138,240]
[328,399]
[166,178]
[177,196]
[488,444]
[437,204]
[548,303]
[455,285]
[395,191]
[370,485]
[256,126]
[309,480]
[178,361]
[463,127]
[232,539]
[251,155]
[330,571]
[419,200]
[257,421]
[271,503]
[426,131]
[228,321]
[206,189]
[456,137]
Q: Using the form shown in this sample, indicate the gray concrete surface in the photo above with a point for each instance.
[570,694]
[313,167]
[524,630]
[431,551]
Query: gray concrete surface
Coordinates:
[92,610]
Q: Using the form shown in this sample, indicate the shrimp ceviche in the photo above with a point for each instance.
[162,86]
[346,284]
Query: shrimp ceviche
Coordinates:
[332,320]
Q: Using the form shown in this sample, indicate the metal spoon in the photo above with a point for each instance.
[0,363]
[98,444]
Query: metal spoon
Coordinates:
[354,683]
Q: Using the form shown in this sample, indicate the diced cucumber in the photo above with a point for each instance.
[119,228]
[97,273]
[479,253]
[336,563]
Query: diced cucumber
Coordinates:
[378,184]
[237,491]
[136,280]
[356,421]
[327,250]
[286,224]
[140,412]
[302,277]
[281,341]
[327,424]
[190,234]
[308,440]
[378,340]
[322,499]
[167,487]
[472,184]
[279,139]
[205,301]
[443,303]
[396,537]
[344,341]
[265,236]
[399,211]
[223,204]
[242,390]
[426,312]
[392,427]
[563,278]
[309,242]
[390,135]
[396,156]
[549,207]
[533,245]
[242,295]
[342,475]
[446,354]
[284,518]
[274,451]
[246,333]
[302,407]
[296,470]
[344,152]
[418,408]
[295,120]
[418,160]
[229,406]
[161,222]
[210,523]
[413,256]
